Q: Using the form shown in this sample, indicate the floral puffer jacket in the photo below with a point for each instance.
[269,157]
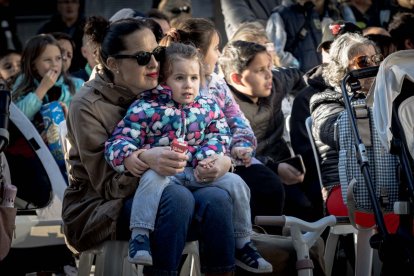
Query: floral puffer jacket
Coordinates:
[156,120]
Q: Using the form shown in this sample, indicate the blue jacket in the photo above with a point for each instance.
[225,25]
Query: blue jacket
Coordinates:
[30,104]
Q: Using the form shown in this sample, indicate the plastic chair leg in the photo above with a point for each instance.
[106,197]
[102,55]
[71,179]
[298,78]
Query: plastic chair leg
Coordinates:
[364,253]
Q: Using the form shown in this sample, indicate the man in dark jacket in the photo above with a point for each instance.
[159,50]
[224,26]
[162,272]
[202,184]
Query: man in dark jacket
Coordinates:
[236,12]
[296,31]
[9,39]
[68,20]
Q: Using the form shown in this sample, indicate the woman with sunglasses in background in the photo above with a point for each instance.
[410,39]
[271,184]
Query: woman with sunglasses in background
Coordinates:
[97,203]
[348,52]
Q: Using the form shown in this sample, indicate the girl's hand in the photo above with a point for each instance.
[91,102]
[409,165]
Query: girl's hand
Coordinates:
[244,154]
[289,174]
[164,161]
[135,165]
[47,82]
[212,168]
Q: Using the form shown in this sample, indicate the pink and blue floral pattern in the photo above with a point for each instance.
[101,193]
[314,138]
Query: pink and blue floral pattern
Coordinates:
[156,120]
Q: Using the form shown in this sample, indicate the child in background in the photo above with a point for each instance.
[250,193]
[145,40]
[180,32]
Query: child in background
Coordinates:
[43,91]
[10,66]
[67,46]
[173,114]
[42,79]
[88,52]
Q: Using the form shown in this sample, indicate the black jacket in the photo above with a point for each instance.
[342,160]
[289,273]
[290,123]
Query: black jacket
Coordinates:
[300,111]
[325,108]
[303,31]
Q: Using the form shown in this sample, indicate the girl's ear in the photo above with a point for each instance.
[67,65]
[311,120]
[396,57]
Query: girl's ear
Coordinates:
[236,78]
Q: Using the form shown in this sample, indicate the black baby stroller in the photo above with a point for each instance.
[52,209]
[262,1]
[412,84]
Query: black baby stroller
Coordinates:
[393,113]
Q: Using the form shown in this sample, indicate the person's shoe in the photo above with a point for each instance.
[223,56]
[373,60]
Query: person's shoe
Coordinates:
[248,258]
[140,251]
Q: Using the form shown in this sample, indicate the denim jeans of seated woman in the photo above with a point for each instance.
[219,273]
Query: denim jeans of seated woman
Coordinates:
[152,184]
[183,215]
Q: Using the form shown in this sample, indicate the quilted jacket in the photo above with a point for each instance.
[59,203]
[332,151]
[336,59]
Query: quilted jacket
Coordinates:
[156,120]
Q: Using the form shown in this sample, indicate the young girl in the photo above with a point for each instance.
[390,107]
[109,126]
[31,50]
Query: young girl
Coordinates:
[43,91]
[10,67]
[42,79]
[173,114]
[267,193]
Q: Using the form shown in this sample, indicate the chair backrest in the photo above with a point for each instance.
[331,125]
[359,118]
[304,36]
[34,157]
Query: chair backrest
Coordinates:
[63,130]
[316,155]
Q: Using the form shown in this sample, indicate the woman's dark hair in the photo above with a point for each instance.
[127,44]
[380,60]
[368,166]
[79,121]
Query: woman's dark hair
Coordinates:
[237,55]
[155,28]
[32,50]
[196,31]
[109,37]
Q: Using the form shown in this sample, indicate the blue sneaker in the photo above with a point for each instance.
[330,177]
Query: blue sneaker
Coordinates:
[248,258]
[140,251]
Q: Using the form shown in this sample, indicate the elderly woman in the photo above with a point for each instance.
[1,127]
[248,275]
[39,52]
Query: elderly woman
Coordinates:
[348,52]
[97,203]
[345,55]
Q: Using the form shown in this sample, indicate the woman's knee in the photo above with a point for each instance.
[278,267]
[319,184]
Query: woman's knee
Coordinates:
[213,201]
[178,199]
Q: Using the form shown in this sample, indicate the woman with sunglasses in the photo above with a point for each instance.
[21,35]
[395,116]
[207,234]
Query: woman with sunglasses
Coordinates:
[348,52]
[97,203]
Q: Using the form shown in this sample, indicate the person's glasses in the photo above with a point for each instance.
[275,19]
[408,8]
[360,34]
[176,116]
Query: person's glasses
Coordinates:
[178,10]
[367,61]
[143,58]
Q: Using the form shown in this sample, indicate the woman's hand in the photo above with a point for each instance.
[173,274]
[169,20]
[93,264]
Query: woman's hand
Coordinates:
[164,161]
[135,165]
[47,82]
[289,174]
[212,168]
[244,154]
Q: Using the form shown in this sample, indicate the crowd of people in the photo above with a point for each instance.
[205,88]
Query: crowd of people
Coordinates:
[169,132]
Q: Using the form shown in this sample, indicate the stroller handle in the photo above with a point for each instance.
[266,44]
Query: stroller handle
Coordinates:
[364,72]
[362,157]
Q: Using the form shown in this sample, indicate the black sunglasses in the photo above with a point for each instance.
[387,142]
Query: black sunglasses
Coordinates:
[178,10]
[143,58]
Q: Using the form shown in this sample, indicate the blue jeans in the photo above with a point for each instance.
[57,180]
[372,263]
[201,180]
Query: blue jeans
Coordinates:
[203,214]
[151,185]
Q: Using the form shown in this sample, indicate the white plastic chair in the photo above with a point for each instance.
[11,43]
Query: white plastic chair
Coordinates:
[111,257]
[364,252]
